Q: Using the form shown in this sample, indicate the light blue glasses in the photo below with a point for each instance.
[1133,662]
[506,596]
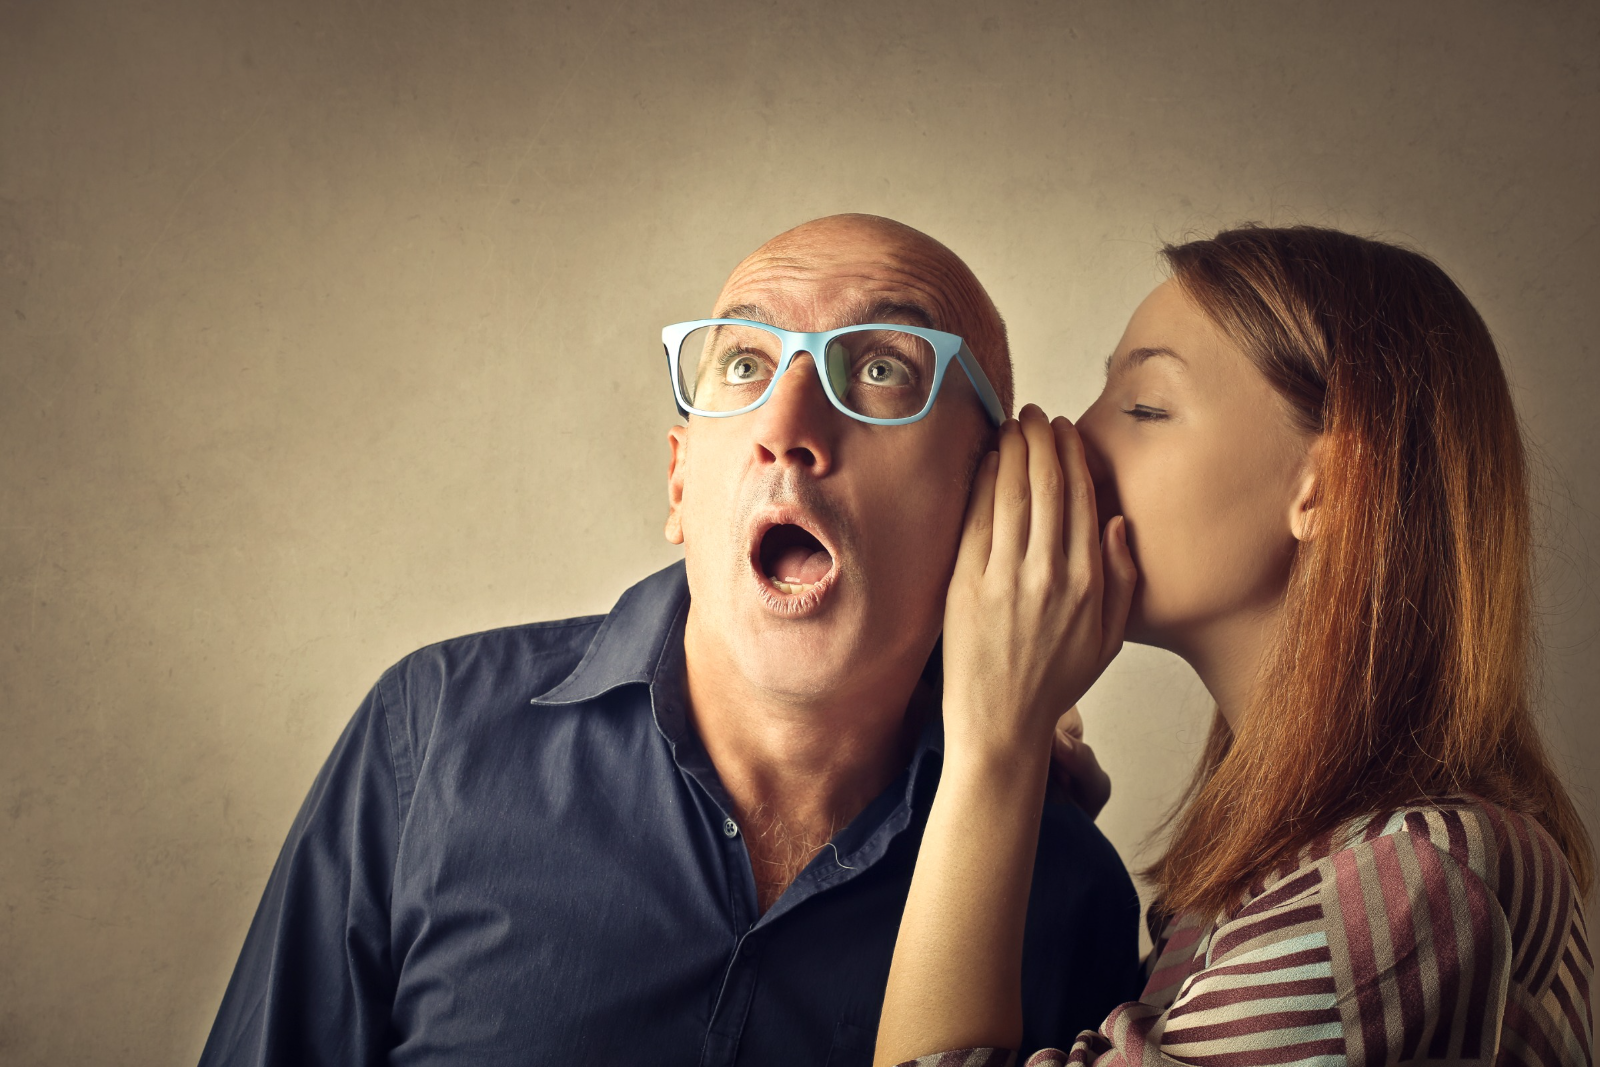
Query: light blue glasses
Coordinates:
[878,373]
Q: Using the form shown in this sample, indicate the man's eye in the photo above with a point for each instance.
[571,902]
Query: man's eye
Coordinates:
[1145,413]
[744,369]
[884,371]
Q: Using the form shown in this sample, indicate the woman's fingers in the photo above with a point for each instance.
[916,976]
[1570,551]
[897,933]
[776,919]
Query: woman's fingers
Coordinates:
[1012,500]
[1120,578]
[978,531]
[1044,484]
[1082,543]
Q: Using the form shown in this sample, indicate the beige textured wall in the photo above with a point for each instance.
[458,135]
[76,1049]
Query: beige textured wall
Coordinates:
[328,330]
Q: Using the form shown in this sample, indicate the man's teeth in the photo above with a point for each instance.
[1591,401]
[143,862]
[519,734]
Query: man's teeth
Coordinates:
[790,587]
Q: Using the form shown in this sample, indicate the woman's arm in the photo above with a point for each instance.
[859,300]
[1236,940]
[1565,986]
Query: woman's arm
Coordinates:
[1035,612]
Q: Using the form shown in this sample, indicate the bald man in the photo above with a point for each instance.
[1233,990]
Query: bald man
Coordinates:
[682,833]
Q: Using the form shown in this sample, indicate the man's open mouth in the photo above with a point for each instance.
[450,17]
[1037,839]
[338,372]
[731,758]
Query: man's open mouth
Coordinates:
[792,559]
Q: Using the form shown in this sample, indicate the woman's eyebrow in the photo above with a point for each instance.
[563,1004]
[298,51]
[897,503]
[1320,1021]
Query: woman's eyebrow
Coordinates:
[1136,356]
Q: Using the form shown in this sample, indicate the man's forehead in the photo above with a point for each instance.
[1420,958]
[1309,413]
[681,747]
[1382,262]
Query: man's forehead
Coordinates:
[821,295]
[844,309]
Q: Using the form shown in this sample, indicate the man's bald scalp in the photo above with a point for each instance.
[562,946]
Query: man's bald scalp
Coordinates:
[966,307]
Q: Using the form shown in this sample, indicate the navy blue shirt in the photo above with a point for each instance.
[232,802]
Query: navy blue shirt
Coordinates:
[519,853]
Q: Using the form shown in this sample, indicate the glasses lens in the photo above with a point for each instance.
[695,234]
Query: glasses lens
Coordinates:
[882,374]
[725,368]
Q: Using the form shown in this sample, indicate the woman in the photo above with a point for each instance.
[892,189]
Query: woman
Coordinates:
[1307,441]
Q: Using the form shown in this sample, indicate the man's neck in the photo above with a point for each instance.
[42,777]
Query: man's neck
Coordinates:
[797,770]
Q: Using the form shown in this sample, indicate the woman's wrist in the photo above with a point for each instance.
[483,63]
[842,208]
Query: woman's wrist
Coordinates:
[990,760]
[987,738]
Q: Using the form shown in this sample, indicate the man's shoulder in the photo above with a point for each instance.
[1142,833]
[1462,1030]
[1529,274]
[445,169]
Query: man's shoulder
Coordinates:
[526,659]
[463,679]
[492,677]
[1073,850]
[1081,955]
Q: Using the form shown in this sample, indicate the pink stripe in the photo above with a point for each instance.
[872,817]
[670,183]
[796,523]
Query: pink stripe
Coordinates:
[1226,943]
[1579,1027]
[1282,893]
[1236,995]
[1182,939]
[1580,975]
[1252,1024]
[1530,939]
[1320,954]
[1456,831]
[1578,941]
[1553,919]
[1333,1046]
[1479,925]
[1374,828]
[1168,977]
[1520,1023]
[1446,959]
[1522,874]
[1407,970]
[1363,965]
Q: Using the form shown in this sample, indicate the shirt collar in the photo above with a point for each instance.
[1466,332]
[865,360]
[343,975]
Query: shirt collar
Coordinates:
[641,643]
[632,641]
[641,640]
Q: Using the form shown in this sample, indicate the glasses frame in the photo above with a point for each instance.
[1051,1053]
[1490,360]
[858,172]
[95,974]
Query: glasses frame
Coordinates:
[947,348]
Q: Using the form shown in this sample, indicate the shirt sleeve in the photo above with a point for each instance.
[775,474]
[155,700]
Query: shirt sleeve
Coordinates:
[315,981]
[1391,951]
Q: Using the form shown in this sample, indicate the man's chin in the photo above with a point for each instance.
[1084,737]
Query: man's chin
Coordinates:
[797,667]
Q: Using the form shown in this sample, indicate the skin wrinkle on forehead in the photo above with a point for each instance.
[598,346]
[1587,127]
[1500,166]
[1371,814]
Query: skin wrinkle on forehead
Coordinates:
[927,279]
[862,311]
[904,266]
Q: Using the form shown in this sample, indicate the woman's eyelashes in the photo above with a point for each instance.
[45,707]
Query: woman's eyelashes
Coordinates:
[1145,413]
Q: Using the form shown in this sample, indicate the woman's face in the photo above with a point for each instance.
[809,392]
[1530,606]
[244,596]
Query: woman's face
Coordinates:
[1200,453]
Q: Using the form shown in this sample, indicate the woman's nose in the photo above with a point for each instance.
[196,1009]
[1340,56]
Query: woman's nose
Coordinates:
[1101,471]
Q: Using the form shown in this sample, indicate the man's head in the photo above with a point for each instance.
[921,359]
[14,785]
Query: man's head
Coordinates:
[819,547]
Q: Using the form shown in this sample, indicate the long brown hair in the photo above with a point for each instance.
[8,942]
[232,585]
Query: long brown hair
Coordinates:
[1401,671]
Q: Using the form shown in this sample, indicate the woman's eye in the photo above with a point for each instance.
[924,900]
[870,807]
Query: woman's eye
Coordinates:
[884,371]
[744,369]
[1145,413]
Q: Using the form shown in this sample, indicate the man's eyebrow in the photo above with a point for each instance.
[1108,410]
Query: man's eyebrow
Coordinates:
[1137,356]
[753,312]
[875,311]
[884,310]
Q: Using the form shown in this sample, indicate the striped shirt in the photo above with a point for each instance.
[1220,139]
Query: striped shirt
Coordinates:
[1451,933]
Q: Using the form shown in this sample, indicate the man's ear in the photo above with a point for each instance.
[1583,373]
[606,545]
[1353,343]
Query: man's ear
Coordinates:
[1303,511]
[677,468]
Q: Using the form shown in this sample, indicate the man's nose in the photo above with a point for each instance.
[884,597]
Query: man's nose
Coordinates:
[797,425]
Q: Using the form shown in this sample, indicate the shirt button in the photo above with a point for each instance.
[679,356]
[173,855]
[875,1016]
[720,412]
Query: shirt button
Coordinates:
[730,828]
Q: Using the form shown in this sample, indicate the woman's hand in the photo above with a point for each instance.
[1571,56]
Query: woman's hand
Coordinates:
[1035,612]
[1037,604]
